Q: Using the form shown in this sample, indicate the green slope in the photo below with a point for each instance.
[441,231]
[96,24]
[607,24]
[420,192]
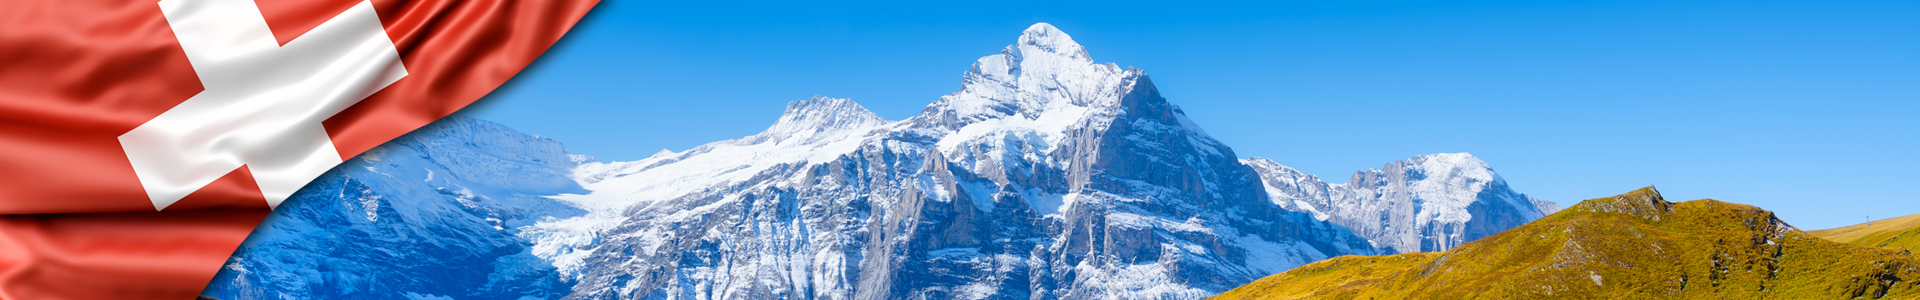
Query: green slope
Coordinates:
[1901,232]
[1632,246]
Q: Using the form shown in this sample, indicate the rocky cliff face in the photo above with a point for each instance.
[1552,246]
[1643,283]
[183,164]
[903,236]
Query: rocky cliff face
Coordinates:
[1426,203]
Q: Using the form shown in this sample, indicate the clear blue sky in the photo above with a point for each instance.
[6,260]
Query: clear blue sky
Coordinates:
[1807,108]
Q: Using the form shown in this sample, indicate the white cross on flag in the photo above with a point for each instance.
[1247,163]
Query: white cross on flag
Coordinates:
[141,140]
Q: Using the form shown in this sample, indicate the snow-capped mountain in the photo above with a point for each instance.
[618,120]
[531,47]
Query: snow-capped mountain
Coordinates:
[1427,203]
[430,215]
[1047,176]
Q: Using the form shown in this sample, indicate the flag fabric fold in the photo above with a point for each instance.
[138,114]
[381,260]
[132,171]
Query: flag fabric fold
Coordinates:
[140,141]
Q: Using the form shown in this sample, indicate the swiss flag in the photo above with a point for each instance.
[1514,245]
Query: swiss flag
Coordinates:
[141,140]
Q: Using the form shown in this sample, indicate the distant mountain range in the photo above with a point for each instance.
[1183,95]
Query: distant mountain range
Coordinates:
[1047,176]
[1632,246]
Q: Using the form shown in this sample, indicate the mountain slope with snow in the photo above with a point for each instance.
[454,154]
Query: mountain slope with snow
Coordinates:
[1427,203]
[432,214]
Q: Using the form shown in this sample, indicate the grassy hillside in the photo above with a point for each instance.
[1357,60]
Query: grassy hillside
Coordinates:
[1900,232]
[1632,246]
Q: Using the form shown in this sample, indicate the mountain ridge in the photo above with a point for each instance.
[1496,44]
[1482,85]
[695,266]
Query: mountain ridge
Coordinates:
[1634,245]
[820,115]
[1424,203]
[1898,232]
[1045,176]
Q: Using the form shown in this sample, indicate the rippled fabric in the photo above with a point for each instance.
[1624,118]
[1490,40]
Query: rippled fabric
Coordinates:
[75,74]
[133,255]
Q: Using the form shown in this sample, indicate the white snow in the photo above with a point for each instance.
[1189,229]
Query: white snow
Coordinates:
[1439,187]
[982,192]
[1041,85]
[1137,281]
[1050,127]
[567,242]
[1045,203]
[1453,181]
[801,135]
[1271,258]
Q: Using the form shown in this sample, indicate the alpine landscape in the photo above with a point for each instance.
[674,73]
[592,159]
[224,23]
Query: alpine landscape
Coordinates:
[1048,175]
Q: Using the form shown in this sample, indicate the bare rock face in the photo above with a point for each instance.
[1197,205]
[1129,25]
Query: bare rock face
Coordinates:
[1427,203]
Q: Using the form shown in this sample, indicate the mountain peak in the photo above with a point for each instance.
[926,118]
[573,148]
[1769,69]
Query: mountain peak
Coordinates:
[1046,38]
[822,104]
[1645,203]
[822,114]
[1043,75]
[1451,166]
[1461,159]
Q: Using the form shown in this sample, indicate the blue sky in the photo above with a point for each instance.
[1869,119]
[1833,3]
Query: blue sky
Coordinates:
[1807,108]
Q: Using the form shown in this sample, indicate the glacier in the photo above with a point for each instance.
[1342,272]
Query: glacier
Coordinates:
[1046,176]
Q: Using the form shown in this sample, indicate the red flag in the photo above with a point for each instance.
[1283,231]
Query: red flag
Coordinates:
[140,141]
